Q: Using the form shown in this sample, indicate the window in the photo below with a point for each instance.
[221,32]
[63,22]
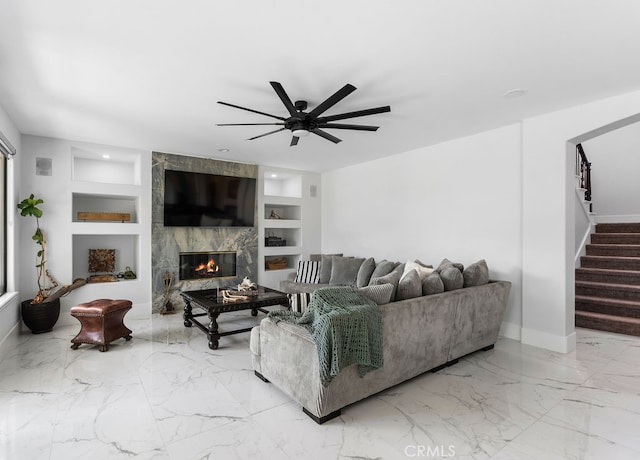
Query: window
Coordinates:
[6,151]
[3,224]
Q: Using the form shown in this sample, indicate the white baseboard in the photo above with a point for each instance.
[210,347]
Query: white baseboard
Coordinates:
[510,331]
[558,343]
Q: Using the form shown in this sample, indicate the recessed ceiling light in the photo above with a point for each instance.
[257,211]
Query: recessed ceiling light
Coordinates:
[516,92]
[274,175]
[105,156]
[223,150]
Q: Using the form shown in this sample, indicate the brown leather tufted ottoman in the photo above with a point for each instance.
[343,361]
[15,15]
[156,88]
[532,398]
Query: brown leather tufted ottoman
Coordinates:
[101,321]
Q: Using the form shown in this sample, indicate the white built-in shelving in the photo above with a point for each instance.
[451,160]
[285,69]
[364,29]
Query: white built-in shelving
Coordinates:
[288,214]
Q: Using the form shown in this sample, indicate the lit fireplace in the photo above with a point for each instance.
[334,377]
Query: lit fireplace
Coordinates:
[207,265]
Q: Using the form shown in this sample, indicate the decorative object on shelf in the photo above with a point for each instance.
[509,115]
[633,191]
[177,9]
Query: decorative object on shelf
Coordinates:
[102,260]
[271,241]
[167,305]
[274,215]
[41,313]
[129,274]
[105,216]
[276,263]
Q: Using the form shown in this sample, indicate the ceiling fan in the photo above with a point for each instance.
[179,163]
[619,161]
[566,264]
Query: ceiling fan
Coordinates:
[301,123]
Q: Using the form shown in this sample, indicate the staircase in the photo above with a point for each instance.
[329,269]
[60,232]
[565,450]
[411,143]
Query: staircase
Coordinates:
[608,281]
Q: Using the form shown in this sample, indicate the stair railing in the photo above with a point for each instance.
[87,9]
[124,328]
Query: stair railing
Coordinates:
[583,171]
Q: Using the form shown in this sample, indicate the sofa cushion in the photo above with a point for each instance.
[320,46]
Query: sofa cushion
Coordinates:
[298,302]
[318,257]
[365,272]
[476,274]
[380,294]
[344,271]
[384,267]
[308,272]
[421,269]
[325,267]
[451,277]
[445,262]
[432,284]
[393,278]
[410,286]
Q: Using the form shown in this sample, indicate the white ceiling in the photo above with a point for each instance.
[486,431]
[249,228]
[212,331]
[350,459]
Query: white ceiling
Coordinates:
[148,73]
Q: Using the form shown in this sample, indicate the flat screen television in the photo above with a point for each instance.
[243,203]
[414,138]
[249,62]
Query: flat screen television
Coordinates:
[193,199]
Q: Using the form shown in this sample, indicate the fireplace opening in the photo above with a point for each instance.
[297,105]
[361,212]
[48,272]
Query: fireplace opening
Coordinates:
[207,265]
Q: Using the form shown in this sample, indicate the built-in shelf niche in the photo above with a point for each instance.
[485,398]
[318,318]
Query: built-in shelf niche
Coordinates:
[84,202]
[274,212]
[288,237]
[282,184]
[292,262]
[105,166]
[126,246]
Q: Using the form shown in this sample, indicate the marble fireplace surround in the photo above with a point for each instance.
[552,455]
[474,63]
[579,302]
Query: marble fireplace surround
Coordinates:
[169,242]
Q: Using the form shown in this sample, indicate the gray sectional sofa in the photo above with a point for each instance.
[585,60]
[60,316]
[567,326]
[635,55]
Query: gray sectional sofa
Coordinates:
[420,334]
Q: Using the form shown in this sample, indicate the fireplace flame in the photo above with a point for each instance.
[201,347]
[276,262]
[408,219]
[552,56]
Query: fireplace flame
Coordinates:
[207,269]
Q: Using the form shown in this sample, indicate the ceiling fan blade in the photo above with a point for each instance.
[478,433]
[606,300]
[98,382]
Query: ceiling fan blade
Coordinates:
[341,126]
[332,100]
[249,124]
[294,141]
[282,94]
[266,134]
[251,110]
[357,113]
[327,136]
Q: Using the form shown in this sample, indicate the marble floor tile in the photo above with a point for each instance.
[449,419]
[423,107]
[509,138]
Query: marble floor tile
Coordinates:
[165,395]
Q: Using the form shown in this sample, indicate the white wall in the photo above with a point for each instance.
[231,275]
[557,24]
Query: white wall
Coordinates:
[56,190]
[548,188]
[460,200]
[9,303]
[615,159]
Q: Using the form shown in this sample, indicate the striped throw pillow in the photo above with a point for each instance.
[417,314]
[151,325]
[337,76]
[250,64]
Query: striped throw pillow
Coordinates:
[308,272]
[298,302]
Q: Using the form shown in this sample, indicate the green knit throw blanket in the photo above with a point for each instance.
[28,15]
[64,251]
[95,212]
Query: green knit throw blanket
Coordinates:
[346,328]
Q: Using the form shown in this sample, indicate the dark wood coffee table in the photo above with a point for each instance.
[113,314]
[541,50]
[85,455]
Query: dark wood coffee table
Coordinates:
[213,306]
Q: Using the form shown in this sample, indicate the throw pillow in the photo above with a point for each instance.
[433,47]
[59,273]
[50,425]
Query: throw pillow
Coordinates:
[410,286]
[298,302]
[432,284]
[365,272]
[384,267]
[318,257]
[393,278]
[476,274]
[422,270]
[380,294]
[445,262]
[344,271]
[308,272]
[325,268]
[452,278]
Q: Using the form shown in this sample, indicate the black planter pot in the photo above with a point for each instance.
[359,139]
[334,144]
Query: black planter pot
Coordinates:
[40,317]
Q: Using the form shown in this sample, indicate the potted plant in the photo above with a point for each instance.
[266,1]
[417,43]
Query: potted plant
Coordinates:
[41,313]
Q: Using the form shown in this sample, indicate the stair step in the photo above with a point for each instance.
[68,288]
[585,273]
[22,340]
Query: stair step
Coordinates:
[615,238]
[608,306]
[603,275]
[608,290]
[622,227]
[610,323]
[611,262]
[621,250]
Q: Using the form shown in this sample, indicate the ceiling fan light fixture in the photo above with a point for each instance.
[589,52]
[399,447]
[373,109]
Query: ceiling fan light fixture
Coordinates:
[300,132]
